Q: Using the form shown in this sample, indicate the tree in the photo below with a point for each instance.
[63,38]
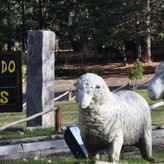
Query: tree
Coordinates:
[88,25]
[10,22]
[147,50]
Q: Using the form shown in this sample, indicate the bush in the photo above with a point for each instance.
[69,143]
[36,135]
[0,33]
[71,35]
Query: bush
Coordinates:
[136,72]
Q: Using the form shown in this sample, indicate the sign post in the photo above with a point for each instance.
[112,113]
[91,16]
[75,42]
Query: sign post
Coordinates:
[10,82]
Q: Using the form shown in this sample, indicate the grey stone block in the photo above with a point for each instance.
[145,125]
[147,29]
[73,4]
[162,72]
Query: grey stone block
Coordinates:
[40,77]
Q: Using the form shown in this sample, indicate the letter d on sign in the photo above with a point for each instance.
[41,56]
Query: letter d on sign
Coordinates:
[4,66]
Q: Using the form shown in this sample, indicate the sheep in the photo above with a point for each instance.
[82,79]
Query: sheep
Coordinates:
[156,84]
[111,120]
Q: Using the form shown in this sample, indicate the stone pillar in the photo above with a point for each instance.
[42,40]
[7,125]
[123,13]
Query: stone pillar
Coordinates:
[40,77]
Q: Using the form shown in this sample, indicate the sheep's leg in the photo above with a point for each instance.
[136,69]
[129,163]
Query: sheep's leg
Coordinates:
[116,147]
[145,145]
[94,156]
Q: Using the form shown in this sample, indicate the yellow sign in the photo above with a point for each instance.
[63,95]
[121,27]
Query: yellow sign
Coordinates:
[10,82]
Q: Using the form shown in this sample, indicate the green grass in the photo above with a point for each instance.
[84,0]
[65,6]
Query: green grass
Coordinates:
[158,113]
[125,158]
[69,116]
[17,133]
[19,130]
[11,117]
[70,111]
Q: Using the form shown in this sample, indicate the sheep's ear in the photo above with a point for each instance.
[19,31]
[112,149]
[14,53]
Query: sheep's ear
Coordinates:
[98,87]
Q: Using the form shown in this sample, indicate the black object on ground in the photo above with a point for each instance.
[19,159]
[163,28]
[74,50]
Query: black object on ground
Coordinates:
[73,139]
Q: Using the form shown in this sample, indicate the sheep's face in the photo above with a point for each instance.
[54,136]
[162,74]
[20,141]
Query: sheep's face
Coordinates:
[90,90]
[156,87]
[85,92]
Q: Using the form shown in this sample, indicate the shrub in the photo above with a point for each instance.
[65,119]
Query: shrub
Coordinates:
[136,72]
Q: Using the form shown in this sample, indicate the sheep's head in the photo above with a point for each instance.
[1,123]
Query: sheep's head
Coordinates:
[89,89]
[156,86]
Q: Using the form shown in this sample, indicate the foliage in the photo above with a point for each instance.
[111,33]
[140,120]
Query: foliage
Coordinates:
[136,72]
[75,72]
[87,25]
[69,72]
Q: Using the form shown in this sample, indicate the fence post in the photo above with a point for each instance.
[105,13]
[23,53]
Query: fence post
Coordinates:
[69,96]
[58,119]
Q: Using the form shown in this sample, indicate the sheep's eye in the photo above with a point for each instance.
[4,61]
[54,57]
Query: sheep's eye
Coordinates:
[97,87]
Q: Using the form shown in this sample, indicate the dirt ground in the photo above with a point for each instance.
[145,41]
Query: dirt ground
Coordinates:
[115,74]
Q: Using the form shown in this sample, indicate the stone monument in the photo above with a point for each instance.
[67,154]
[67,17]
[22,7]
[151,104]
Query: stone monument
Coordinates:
[40,77]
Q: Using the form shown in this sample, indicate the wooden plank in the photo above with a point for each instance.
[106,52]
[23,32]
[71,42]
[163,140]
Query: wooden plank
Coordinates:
[31,139]
[42,153]
[57,144]
[34,146]
[10,149]
[30,150]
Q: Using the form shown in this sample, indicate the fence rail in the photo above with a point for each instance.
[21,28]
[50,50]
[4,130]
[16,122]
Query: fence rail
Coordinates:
[70,98]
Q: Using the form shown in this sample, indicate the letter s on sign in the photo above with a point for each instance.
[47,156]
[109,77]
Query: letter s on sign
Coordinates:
[4,97]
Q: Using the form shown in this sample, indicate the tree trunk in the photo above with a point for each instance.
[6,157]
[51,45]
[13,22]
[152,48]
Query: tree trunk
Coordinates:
[40,15]
[23,26]
[43,13]
[85,52]
[9,26]
[147,49]
[123,52]
[139,51]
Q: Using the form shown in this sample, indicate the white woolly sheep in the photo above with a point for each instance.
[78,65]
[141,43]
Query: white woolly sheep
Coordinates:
[110,120]
[156,85]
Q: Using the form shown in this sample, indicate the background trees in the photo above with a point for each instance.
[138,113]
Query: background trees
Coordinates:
[95,28]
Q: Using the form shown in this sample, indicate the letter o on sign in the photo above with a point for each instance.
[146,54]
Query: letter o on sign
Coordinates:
[11,66]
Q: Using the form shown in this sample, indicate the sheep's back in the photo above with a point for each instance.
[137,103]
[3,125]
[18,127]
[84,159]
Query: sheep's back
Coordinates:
[134,115]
